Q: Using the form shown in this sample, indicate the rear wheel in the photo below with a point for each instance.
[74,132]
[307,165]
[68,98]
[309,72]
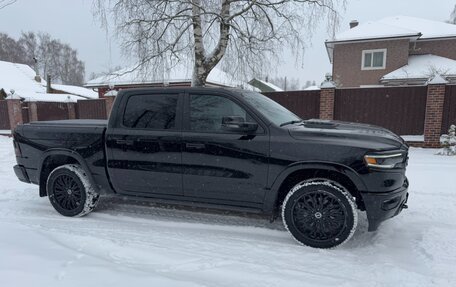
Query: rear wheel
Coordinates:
[70,191]
[320,214]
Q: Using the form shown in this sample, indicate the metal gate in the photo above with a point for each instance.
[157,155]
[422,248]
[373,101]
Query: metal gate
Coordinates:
[91,109]
[399,109]
[4,116]
[449,109]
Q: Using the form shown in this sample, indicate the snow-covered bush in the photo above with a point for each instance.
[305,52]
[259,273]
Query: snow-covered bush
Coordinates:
[449,142]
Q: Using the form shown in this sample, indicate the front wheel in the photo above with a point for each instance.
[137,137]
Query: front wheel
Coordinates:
[320,214]
[70,191]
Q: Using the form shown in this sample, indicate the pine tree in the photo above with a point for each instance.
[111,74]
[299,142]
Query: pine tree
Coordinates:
[449,142]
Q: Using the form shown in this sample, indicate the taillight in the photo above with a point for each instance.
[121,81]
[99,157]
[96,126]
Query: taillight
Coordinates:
[17,149]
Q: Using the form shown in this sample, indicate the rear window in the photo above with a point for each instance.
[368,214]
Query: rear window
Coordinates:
[155,112]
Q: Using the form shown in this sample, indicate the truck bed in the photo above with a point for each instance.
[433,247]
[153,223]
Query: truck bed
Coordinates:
[40,140]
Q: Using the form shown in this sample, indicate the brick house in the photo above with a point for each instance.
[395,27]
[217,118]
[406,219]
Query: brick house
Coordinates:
[397,50]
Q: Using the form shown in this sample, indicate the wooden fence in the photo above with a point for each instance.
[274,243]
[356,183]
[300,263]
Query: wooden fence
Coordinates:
[399,109]
[305,104]
[91,109]
[4,116]
[50,111]
[449,109]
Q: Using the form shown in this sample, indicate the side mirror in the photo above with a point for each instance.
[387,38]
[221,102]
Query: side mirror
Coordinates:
[238,124]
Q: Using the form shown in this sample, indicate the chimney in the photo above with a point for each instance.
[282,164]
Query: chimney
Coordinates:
[353,24]
[48,85]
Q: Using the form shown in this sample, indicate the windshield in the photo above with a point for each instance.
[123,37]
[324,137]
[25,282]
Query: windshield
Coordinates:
[273,111]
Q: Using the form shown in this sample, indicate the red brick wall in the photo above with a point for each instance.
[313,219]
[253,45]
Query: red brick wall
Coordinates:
[109,104]
[14,113]
[327,104]
[444,48]
[348,58]
[434,115]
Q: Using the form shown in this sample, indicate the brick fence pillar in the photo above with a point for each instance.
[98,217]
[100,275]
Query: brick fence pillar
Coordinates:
[327,94]
[32,111]
[434,112]
[109,102]
[14,112]
[71,111]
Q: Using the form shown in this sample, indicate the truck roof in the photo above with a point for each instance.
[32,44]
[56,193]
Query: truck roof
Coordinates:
[182,89]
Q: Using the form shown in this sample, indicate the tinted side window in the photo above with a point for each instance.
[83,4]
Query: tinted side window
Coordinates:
[207,111]
[157,112]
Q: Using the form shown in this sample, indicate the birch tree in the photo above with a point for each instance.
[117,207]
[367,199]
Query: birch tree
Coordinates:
[4,3]
[453,16]
[245,37]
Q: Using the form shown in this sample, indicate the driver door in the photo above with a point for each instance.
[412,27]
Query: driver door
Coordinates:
[218,164]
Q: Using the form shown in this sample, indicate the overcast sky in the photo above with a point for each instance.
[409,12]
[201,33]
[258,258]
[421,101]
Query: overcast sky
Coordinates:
[73,23]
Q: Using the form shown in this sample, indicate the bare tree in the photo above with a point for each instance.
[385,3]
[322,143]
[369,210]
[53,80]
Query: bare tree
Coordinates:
[46,55]
[10,50]
[453,16]
[108,71]
[53,58]
[285,83]
[29,43]
[247,34]
[4,3]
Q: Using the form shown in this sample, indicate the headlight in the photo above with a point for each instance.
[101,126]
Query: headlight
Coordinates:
[386,161]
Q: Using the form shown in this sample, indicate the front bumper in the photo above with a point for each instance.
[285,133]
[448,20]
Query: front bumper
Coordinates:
[382,206]
[21,173]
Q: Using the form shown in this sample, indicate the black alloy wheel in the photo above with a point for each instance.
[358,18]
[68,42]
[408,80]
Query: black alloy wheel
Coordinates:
[320,214]
[67,192]
[70,192]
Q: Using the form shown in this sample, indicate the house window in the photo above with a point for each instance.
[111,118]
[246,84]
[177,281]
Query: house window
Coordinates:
[373,59]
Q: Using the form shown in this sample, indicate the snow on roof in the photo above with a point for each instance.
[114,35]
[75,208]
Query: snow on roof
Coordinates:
[75,90]
[270,85]
[398,26]
[312,88]
[423,67]
[44,97]
[20,78]
[437,80]
[371,30]
[327,85]
[182,72]
[62,98]
[112,93]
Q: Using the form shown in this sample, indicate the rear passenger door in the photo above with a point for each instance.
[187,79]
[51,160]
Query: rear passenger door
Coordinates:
[144,148]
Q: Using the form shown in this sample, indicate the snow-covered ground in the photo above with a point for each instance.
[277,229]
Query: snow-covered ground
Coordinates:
[126,243]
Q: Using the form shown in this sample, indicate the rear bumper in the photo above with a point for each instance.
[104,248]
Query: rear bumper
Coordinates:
[21,173]
[382,206]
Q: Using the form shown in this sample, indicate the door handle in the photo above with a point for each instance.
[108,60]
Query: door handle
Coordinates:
[195,145]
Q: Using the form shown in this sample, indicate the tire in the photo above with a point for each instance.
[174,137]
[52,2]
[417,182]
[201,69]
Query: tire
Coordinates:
[70,191]
[320,214]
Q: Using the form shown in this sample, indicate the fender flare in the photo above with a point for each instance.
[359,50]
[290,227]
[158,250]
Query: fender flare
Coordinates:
[272,195]
[65,152]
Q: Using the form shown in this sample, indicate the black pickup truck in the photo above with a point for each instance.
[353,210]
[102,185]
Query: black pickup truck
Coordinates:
[220,148]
